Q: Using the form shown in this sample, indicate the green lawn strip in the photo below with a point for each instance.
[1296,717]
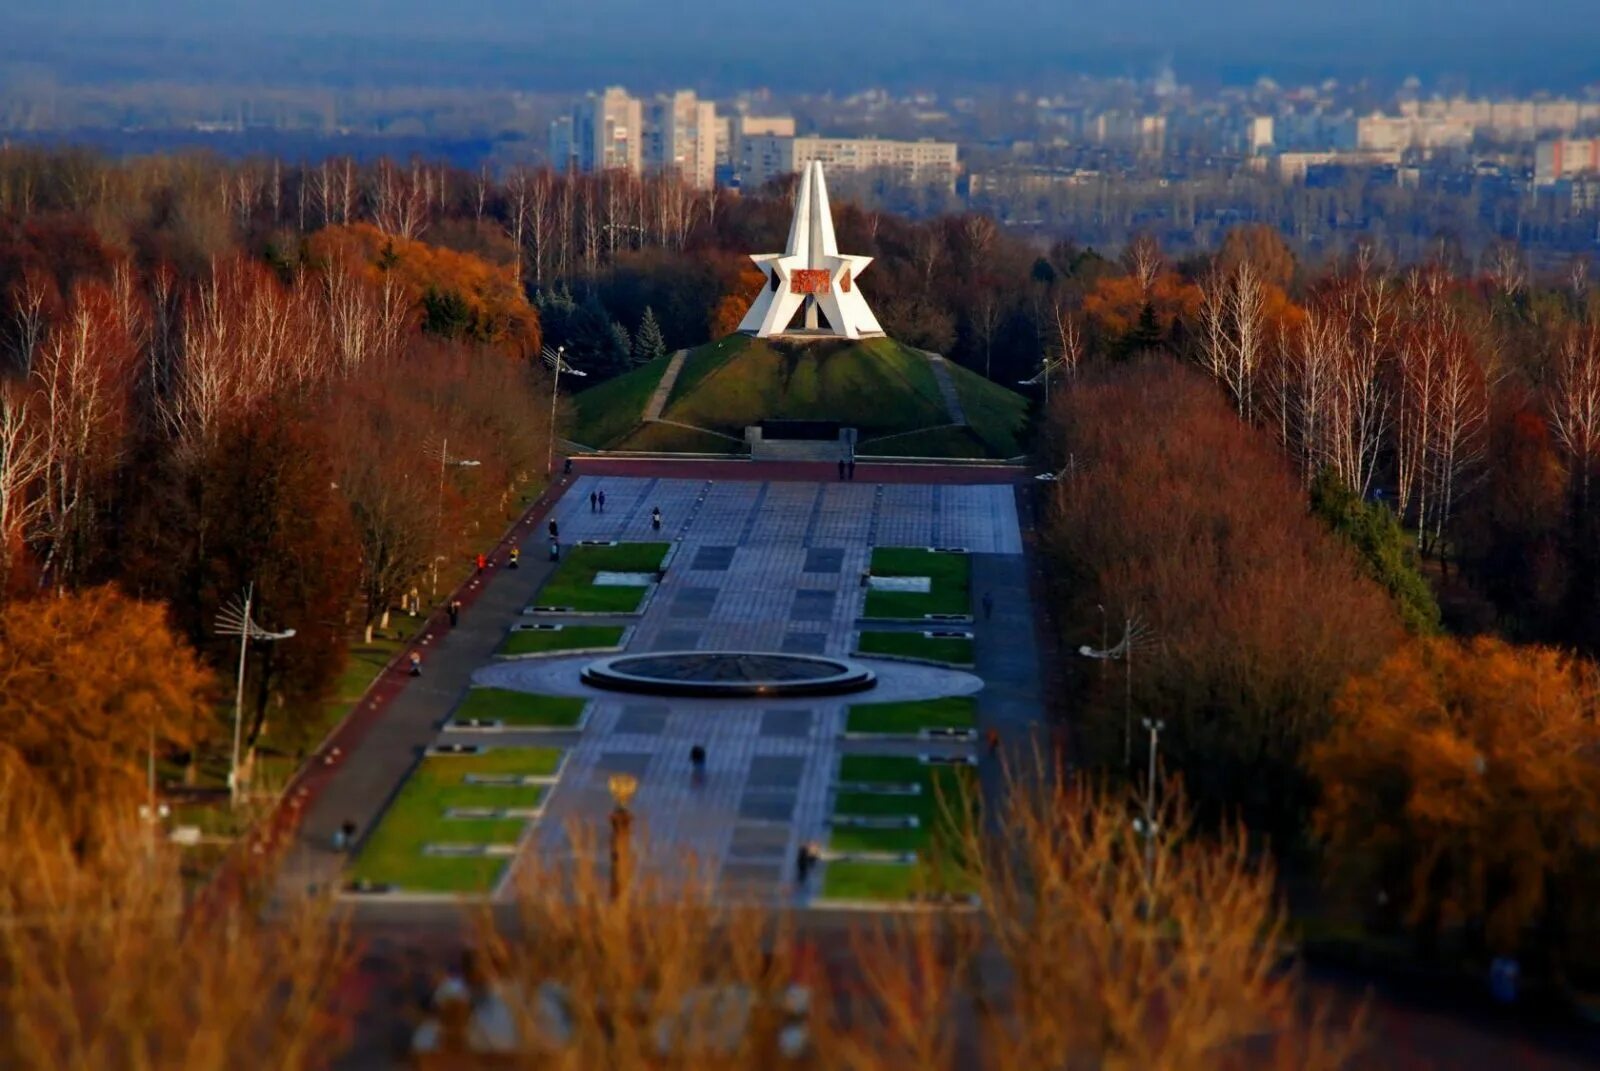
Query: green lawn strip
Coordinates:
[572,637]
[868,839]
[955,650]
[520,708]
[608,411]
[885,769]
[892,881]
[951,712]
[393,852]
[948,592]
[572,584]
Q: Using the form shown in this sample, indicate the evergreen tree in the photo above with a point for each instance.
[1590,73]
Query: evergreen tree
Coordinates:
[621,345]
[1389,555]
[647,341]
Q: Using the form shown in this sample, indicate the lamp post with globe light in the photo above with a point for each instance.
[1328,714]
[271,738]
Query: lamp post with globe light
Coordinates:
[622,788]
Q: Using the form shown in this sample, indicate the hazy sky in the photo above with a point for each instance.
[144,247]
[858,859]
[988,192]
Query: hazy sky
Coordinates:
[850,42]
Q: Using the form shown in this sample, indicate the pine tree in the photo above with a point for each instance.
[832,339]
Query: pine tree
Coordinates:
[621,346]
[647,341]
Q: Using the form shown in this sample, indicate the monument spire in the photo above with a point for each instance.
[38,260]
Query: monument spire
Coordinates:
[810,277]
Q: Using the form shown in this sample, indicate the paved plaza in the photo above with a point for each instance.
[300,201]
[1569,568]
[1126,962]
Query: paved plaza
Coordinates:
[755,566]
[758,565]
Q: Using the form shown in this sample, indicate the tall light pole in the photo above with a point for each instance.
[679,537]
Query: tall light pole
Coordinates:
[556,361]
[445,460]
[1050,365]
[1154,727]
[1133,632]
[235,620]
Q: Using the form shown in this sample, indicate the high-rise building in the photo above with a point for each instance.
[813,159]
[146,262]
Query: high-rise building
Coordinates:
[605,132]
[927,162]
[680,135]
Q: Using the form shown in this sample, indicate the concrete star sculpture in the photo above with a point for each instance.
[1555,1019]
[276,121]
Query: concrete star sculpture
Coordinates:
[810,277]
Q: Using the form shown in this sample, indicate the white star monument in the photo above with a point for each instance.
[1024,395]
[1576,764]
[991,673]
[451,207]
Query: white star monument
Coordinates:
[811,277]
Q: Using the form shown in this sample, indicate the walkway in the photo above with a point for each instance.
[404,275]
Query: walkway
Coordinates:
[669,379]
[947,388]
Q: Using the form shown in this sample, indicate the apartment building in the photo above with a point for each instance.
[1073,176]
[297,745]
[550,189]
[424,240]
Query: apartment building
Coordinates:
[604,132]
[680,135]
[1565,158]
[925,162]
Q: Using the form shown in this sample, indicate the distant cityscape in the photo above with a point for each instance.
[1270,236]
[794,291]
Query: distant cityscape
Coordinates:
[1096,159]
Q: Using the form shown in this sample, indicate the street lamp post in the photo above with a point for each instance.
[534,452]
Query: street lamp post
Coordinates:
[622,787]
[1154,727]
[445,460]
[1132,632]
[235,620]
[556,361]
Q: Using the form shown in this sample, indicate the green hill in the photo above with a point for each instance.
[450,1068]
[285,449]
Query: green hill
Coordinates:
[888,391]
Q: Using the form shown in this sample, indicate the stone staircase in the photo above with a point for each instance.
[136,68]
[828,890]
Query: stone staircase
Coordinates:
[669,379]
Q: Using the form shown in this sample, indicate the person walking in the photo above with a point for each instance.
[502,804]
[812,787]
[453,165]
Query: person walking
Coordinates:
[655,518]
[805,860]
[841,468]
[454,610]
[988,605]
[416,664]
[602,497]
[850,469]
[555,549]
[554,529]
[483,563]
[697,765]
[594,499]
[516,557]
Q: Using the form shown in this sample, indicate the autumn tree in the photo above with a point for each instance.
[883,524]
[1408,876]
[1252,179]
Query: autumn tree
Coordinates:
[274,518]
[730,309]
[90,683]
[1255,613]
[1459,780]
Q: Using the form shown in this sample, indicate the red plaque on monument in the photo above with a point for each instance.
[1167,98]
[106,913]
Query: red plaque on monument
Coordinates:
[809,281]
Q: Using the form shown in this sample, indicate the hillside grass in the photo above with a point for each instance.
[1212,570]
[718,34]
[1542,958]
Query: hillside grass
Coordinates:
[997,417]
[875,385]
[607,412]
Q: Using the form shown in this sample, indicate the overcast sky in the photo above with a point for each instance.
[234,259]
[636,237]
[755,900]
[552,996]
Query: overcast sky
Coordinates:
[851,41]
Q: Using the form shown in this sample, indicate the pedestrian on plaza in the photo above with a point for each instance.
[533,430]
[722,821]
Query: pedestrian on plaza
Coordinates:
[516,557]
[850,469]
[655,518]
[566,466]
[988,605]
[416,664]
[593,499]
[804,861]
[555,550]
[841,468]
[697,764]
[454,610]
[555,529]
[602,497]
[347,833]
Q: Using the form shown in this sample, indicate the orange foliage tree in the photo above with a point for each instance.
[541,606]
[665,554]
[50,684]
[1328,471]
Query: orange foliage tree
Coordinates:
[731,309]
[88,682]
[459,294]
[1461,780]
[1116,303]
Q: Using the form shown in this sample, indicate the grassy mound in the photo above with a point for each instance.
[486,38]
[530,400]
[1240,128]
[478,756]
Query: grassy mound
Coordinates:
[606,413]
[876,385]
[997,417]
